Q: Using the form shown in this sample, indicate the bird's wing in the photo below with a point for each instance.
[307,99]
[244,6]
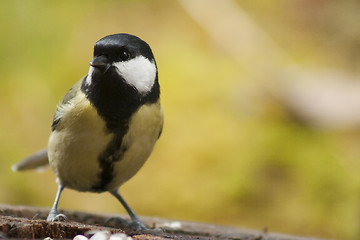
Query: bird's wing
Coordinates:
[67,98]
[40,158]
[35,161]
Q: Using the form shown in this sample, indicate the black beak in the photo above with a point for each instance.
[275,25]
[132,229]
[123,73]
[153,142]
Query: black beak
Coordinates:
[100,62]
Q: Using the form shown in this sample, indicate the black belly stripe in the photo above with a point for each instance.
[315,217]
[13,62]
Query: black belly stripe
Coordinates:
[115,101]
[113,153]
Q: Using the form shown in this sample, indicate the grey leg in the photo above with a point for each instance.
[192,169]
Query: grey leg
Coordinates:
[53,214]
[136,223]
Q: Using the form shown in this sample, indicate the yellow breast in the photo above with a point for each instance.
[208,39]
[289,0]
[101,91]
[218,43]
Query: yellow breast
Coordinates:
[81,136]
[74,146]
[144,129]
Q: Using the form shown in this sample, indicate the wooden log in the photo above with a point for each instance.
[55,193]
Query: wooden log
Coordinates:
[24,222]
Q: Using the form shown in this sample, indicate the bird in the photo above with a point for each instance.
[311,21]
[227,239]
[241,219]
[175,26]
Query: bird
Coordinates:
[107,124]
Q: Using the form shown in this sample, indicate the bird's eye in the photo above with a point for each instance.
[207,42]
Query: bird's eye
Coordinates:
[124,55]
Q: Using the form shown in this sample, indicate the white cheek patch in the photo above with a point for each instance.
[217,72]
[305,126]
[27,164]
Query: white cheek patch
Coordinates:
[138,72]
[88,78]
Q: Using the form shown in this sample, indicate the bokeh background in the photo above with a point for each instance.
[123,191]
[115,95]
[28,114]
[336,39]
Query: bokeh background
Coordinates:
[262,104]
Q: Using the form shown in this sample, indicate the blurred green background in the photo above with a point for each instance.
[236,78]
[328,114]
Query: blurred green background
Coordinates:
[261,101]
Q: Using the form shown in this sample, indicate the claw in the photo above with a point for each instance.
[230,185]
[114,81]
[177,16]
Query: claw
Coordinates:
[138,226]
[56,217]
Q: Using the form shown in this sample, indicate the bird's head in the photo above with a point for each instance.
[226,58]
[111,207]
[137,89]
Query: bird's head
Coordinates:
[126,58]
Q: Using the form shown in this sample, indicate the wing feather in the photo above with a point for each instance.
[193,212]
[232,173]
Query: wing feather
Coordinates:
[67,98]
[40,158]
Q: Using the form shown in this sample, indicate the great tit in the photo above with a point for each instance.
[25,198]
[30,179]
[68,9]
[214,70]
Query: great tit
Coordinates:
[107,124]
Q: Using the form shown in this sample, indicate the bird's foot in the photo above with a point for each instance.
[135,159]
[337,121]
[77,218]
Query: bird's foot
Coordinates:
[138,226]
[134,225]
[54,216]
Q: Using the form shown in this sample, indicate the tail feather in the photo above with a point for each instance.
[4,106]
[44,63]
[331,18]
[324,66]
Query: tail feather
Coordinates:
[34,161]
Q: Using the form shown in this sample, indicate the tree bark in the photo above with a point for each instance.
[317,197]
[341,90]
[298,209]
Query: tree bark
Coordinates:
[23,222]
